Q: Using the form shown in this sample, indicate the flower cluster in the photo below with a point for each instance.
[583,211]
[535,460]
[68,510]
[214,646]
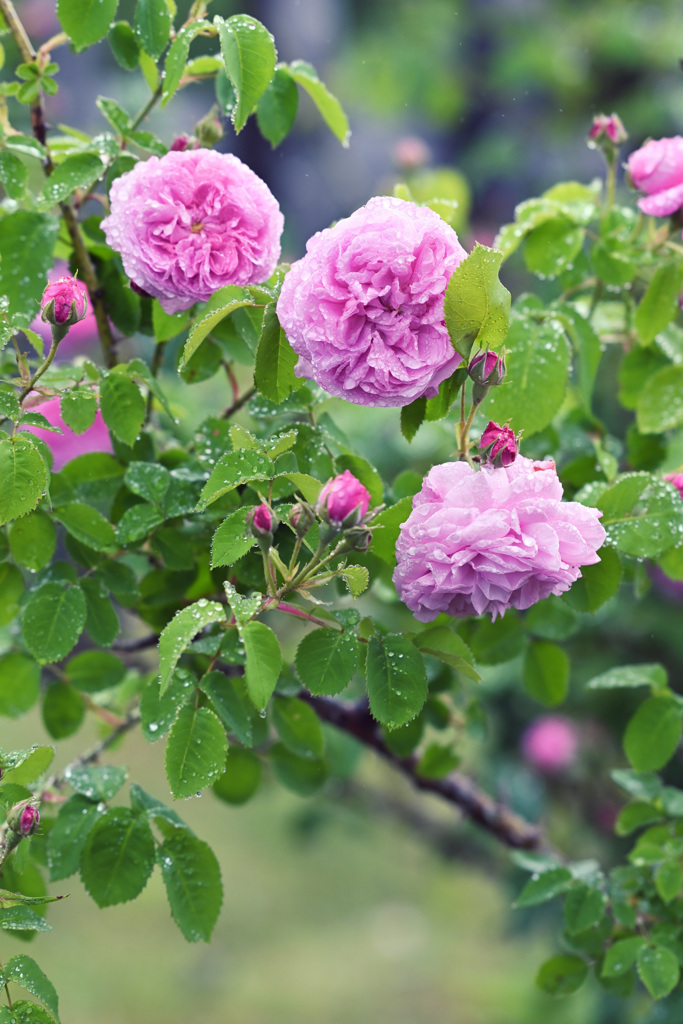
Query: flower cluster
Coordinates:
[487,540]
[191,222]
[364,308]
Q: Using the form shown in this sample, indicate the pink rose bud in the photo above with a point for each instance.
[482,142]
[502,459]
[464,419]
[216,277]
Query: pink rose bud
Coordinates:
[411,151]
[677,480]
[179,144]
[498,445]
[64,302]
[487,368]
[261,521]
[343,501]
[301,518]
[608,127]
[550,743]
[24,818]
[657,169]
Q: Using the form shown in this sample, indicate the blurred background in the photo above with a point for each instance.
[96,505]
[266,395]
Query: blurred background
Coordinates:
[364,904]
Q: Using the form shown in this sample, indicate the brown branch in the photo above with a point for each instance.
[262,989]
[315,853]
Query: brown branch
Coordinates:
[93,755]
[455,788]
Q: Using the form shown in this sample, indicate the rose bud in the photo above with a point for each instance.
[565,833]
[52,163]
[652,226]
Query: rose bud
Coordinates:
[487,368]
[358,538]
[498,445]
[301,518]
[343,501]
[24,819]
[607,128]
[64,303]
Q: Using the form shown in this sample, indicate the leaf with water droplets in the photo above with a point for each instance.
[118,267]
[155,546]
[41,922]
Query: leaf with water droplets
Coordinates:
[67,836]
[658,969]
[24,477]
[396,679]
[118,857]
[192,879]
[476,305]
[195,752]
[329,107]
[22,970]
[86,21]
[177,634]
[80,170]
[231,470]
[249,56]
[96,781]
[642,514]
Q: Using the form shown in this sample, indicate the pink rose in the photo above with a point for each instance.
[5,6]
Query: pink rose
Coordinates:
[67,445]
[191,222]
[363,309]
[487,540]
[498,445]
[550,743]
[657,169]
[343,500]
[677,480]
[261,520]
[65,301]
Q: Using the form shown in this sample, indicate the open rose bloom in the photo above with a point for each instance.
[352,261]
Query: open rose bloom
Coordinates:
[487,540]
[191,222]
[657,169]
[364,308]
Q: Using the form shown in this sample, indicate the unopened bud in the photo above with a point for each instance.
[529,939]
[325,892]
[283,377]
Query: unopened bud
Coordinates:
[301,518]
[24,818]
[343,501]
[183,142]
[210,129]
[498,446]
[64,303]
[487,368]
[358,538]
[262,524]
[607,128]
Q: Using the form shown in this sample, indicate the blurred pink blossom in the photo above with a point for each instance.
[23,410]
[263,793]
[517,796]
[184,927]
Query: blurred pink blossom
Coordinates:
[550,743]
[68,444]
[657,169]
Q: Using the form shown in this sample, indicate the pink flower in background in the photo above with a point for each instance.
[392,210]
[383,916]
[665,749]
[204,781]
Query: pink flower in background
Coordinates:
[342,497]
[487,540]
[657,169]
[68,444]
[677,480]
[363,309]
[550,743]
[70,298]
[191,222]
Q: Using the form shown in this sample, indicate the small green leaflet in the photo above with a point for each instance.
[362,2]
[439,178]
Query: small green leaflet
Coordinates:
[192,879]
[177,57]
[476,305]
[326,660]
[25,972]
[224,302]
[275,360]
[233,469]
[653,733]
[195,751]
[183,627]
[78,171]
[86,21]
[396,679]
[249,57]
[231,540]
[118,857]
[24,477]
[263,661]
[329,107]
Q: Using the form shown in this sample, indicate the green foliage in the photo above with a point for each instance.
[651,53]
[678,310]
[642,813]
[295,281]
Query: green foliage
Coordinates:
[476,305]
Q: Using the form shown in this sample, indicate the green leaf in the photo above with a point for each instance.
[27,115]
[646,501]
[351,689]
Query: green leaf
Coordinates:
[546,672]
[96,781]
[597,583]
[298,727]
[243,608]
[643,515]
[19,684]
[32,540]
[86,21]
[27,242]
[583,908]
[660,402]
[263,661]
[249,57]
[158,711]
[659,304]
[396,679]
[552,247]
[628,676]
[67,836]
[13,174]
[356,578]
[11,591]
[143,803]
[386,528]
[137,522]
[63,710]
[231,540]
[442,643]
[118,118]
[669,880]
[177,57]
[275,360]
[24,766]
[148,480]
[230,704]
[195,752]
[124,45]
[123,407]
[476,305]
[494,643]
[176,636]
[326,660]
[561,975]
[23,475]
[658,970]
[152,26]
[653,733]
[329,107]
[192,879]
[23,919]
[53,619]
[302,775]
[544,887]
[118,857]
[635,816]
[538,365]
[25,972]
[79,409]
[231,470]
[101,623]
[277,107]
[588,350]
[241,778]
[221,304]
[81,170]
[641,785]
[87,525]
[412,418]
[437,762]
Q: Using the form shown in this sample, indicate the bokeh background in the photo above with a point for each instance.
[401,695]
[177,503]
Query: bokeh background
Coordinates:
[366,904]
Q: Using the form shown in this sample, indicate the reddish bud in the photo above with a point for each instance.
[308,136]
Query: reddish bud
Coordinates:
[261,521]
[487,368]
[65,302]
[607,128]
[677,480]
[301,518]
[343,500]
[498,445]
[24,819]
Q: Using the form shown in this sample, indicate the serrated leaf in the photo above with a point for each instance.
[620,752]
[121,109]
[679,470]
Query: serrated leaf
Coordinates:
[628,676]
[222,304]
[476,305]
[396,680]
[659,304]
[152,26]
[356,578]
[231,540]
[123,407]
[249,57]
[660,401]
[96,781]
[53,619]
[669,880]
[195,751]
[544,887]
[143,803]
[68,834]
[583,908]
[21,767]
[386,528]
[233,469]
[263,662]
[642,514]
[79,409]
[193,884]
[158,710]
[229,703]
[658,969]
[326,660]
[148,480]
[176,636]
[597,583]
[442,643]
[329,107]
[653,733]
[86,21]
[412,418]
[114,113]
[277,107]
[118,857]
[275,359]
[27,242]
[87,525]
[546,672]
[177,56]
[32,540]
[23,919]
[298,727]
[24,477]
[78,171]
[561,975]
[25,972]
[124,45]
